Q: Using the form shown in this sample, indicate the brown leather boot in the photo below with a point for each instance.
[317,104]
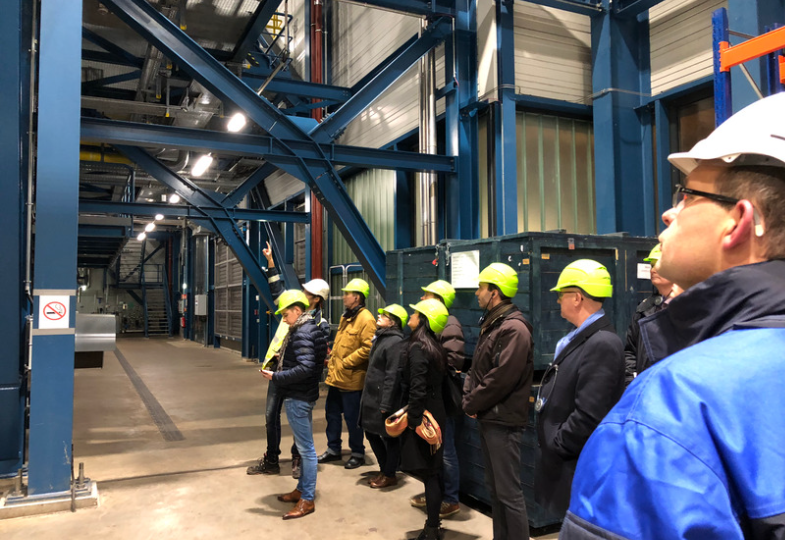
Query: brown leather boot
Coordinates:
[384,481]
[375,478]
[303,508]
[292,497]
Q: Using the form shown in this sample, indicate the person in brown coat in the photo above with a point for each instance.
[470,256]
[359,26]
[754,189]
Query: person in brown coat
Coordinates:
[496,393]
[346,371]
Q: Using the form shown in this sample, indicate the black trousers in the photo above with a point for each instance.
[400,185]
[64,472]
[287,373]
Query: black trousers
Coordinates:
[501,450]
[387,451]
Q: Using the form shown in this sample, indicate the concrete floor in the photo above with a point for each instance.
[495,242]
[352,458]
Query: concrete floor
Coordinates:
[197,487]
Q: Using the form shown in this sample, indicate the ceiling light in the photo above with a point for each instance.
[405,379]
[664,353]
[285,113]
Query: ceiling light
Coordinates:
[159,217]
[174,198]
[84,287]
[236,123]
[201,165]
[185,286]
[150,227]
[141,236]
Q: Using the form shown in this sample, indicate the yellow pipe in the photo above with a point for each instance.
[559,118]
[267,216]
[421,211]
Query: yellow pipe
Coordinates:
[103,157]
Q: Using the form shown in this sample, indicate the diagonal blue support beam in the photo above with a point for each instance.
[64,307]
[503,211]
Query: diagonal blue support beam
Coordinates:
[582,7]
[383,64]
[136,134]
[234,198]
[227,229]
[302,89]
[332,126]
[90,85]
[118,52]
[87,206]
[258,22]
[323,179]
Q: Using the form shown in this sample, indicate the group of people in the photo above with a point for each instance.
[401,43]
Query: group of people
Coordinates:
[673,434]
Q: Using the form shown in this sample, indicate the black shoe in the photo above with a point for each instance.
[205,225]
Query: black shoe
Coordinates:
[354,462]
[430,533]
[264,467]
[328,456]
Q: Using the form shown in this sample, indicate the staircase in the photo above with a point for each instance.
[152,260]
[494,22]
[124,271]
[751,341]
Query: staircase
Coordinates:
[157,321]
[130,263]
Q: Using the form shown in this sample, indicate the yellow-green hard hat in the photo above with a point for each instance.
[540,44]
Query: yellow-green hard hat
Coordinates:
[289,298]
[588,275]
[444,290]
[358,285]
[434,311]
[655,255]
[398,311]
[502,276]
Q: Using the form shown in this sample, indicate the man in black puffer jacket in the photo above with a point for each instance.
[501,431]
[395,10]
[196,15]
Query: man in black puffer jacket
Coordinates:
[297,379]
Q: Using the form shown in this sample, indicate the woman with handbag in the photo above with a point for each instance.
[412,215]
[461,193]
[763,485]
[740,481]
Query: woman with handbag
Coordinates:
[423,364]
[379,393]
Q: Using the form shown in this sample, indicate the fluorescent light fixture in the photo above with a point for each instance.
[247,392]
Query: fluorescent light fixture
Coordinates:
[159,217]
[174,198]
[141,236]
[185,286]
[201,165]
[84,287]
[236,123]
[150,227]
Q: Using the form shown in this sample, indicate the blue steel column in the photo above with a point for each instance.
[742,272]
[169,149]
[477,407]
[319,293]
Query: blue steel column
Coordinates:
[250,344]
[461,128]
[210,290]
[13,94]
[506,169]
[618,136]
[664,168]
[723,108]
[52,391]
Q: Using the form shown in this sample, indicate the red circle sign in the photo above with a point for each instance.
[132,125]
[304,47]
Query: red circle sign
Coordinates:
[54,311]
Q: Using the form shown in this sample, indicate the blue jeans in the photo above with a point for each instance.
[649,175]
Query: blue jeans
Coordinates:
[452,471]
[273,424]
[300,415]
[348,404]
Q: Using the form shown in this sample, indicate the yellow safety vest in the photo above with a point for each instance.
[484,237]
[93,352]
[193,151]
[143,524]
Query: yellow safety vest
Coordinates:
[277,341]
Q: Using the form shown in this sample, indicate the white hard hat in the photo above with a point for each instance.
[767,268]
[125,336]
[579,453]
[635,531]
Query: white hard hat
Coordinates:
[756,134]
[318,287]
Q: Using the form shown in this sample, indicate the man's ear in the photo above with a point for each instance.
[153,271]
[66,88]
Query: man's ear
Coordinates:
[741,225]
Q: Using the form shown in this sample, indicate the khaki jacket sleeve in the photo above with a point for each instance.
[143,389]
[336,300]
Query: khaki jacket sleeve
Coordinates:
[360,355]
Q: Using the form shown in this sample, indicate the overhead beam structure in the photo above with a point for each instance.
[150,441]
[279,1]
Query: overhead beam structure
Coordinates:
[437,8]
[226,228]
[136,134]
[254,28]
[214,212]
[322,178]
[632,8]
[581,7]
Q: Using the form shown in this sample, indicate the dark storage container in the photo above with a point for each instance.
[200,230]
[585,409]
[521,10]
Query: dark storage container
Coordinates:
[539,259]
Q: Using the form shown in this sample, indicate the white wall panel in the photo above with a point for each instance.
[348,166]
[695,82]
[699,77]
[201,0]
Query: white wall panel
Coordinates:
[362,38]
[281,185]
[680,34]
[552,53]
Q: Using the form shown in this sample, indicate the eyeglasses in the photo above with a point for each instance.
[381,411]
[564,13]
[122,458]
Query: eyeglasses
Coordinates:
[681,193]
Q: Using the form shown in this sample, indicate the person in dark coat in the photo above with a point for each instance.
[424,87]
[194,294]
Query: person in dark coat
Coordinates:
[297,378]
[583,383]
[451,338]
[379,393]
[423,366]
[496,393]
[635,358]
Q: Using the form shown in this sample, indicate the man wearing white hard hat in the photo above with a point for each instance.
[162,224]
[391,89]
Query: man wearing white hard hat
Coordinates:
[317,291]
[694,449]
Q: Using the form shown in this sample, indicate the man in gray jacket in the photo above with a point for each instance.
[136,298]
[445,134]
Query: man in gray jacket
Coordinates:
[496,393]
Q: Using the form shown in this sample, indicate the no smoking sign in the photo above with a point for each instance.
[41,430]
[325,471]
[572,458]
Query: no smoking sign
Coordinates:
[53,311]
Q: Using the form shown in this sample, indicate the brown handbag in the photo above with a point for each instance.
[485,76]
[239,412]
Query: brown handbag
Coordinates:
[397,422]
[428,429]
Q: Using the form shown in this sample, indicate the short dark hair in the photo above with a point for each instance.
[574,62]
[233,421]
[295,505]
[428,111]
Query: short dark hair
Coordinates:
[764,187]
[394,318]
[494,287]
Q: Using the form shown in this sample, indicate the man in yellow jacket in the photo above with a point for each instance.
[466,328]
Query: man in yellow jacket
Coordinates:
[346,370]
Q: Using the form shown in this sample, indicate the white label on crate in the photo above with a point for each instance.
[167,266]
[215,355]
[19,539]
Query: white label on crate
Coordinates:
[465,269]
[53,311]
[644,271]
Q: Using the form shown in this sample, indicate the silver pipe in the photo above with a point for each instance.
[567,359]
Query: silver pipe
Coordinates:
[28,283]
[427,181]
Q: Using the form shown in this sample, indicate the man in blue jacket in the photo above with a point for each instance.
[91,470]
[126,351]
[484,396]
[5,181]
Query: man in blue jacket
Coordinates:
[696,446]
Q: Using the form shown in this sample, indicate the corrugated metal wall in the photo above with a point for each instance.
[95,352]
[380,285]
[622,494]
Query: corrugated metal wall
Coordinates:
[228,293]
[552,52]
[362,38]
[680,33]
[555,174]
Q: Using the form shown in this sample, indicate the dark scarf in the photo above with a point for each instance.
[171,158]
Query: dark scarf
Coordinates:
[350,313]
[490,317]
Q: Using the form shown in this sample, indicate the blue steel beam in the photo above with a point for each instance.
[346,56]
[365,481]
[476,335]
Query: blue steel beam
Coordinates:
[632,8]
[323,179]
[383,64]
[254,28]
[216,212]
[582,7]
[117,52]
[299,88]
[57,191]
[90,85]
[102,231]
[723,103]
[130,133]
[439,8]
[109,58]
[333,125]
[226,228]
